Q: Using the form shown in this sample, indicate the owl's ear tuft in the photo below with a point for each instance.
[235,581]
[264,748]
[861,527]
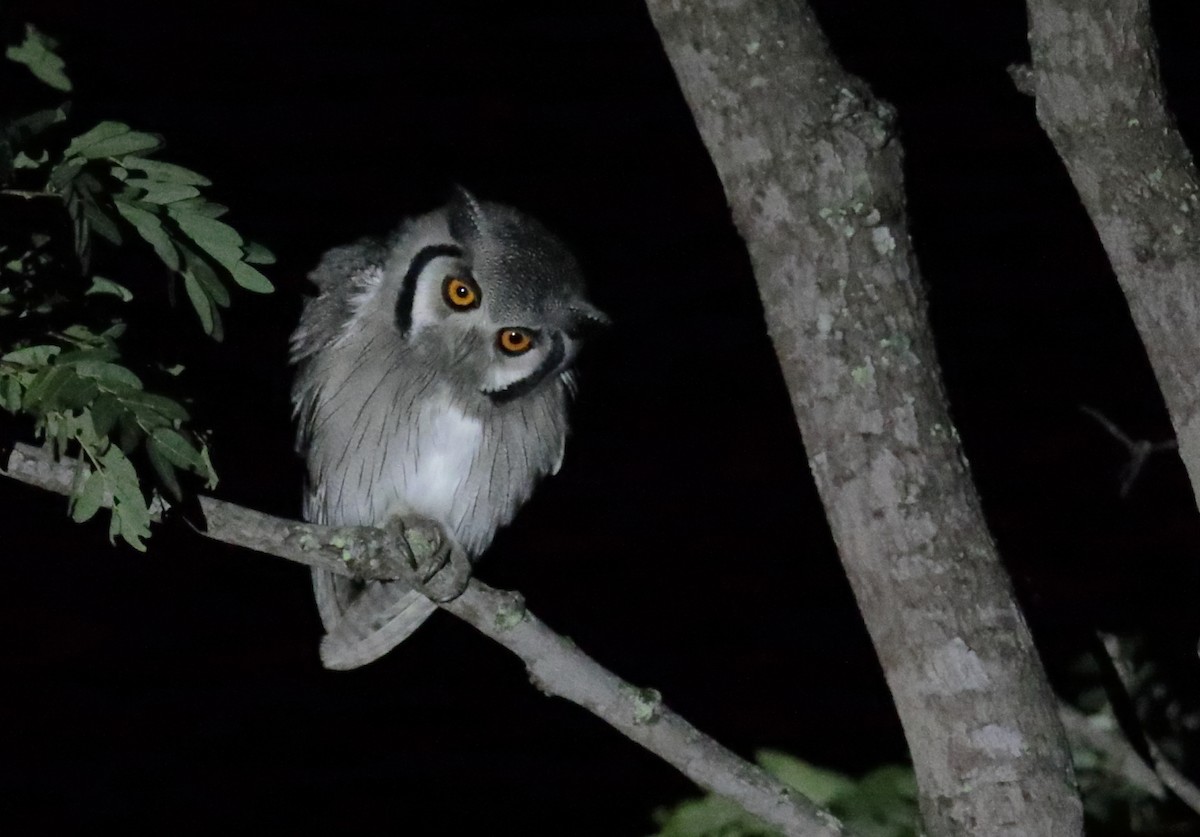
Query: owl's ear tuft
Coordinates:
[586,320]
[466,215]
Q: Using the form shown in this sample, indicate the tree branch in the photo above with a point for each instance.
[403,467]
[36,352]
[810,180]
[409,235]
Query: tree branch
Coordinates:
[1172,777]
[1100,101]
[812,171]
[27,194]
[555,665]
[1140,450]
[1119,758]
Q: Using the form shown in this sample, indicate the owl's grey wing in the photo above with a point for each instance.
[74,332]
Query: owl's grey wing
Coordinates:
[368,620]
[341,274]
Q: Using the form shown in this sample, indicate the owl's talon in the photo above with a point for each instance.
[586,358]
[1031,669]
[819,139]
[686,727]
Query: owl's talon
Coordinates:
[432,564]
[447,581]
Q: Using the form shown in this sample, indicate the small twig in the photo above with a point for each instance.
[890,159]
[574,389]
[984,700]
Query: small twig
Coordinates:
[27,194]
[1120,758]
[1175,781]
[1140,450]
[556,666]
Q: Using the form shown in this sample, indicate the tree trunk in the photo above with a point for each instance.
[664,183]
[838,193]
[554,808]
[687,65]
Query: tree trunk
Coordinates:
[1100,101]
[813,176]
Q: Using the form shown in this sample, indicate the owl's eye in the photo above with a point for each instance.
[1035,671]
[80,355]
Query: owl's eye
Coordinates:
[514,341]
[461,294]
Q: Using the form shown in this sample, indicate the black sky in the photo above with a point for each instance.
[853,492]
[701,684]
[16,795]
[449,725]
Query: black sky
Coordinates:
[683,544]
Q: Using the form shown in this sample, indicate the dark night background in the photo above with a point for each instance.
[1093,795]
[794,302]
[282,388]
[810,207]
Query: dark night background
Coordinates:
[683,545]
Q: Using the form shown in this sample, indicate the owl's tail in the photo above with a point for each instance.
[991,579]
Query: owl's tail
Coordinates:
[365,621]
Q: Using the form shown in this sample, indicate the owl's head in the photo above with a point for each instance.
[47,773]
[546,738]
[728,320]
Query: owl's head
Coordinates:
[488,296]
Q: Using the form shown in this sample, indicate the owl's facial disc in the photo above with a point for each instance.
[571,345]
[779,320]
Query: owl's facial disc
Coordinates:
[524,359]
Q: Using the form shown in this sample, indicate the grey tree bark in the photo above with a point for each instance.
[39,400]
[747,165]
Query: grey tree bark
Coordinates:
[1100,100]
[813,176]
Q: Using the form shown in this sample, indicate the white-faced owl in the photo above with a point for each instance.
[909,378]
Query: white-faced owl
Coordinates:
[433,379]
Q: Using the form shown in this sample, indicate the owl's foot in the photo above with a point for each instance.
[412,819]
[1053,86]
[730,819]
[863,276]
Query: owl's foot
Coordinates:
[436,566]
[413,550]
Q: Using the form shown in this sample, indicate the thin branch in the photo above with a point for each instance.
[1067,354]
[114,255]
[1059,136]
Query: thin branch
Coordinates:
[1140,450]
[27,194]
[1171,776]
[556,666]
[1119,757]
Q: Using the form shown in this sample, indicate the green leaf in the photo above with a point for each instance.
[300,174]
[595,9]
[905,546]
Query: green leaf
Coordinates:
[24,161]
[32,355]
[150,228]
[106,409]
[162,193]
[177,449]
[206,276]
[42,391]
[79,226]
[10,394]
[129,432]
[199,206]
[165,172]
[131,515]
[101,133]
[75,394]
[81,335]
[62,174]
[88,352]
[99,219]
[143,403]
[163,466]
[102,286]
[217,238]
[35,123]
[209,473]
[201,302]
[818,784]
[87,501]
[111,376]
[111,139]
[251,279]
[712,816]
[257,254]
[37,53]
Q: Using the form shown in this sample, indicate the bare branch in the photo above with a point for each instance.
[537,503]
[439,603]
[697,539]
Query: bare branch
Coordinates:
[1170,775]
[1119,757]
[1140,450]
[27,195]
[556,666]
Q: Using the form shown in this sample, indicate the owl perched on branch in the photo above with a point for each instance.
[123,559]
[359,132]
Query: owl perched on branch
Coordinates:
[433,375]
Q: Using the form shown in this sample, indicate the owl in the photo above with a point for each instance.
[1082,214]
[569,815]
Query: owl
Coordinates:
[433,374]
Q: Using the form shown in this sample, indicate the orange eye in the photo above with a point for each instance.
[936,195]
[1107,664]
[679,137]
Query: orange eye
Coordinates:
[514,341]
[460,294]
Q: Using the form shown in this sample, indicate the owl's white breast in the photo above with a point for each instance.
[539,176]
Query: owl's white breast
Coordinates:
[433,475]
[469,472]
